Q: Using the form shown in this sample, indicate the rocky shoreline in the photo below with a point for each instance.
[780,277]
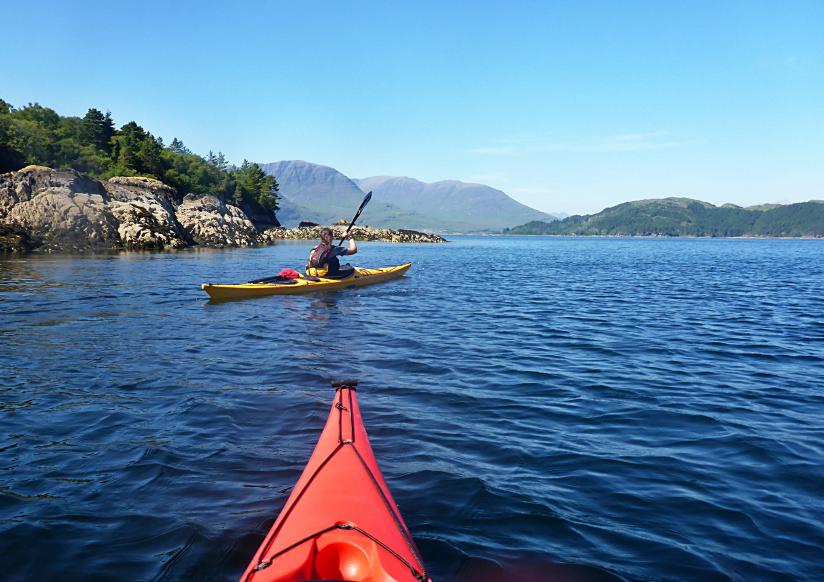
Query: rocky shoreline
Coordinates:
[47,210]
[359,232]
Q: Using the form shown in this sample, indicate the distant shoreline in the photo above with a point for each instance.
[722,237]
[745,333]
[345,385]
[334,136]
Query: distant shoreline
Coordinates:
[659,236]
[686,217]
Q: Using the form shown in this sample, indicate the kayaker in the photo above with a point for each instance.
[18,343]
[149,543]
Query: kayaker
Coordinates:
[323,261]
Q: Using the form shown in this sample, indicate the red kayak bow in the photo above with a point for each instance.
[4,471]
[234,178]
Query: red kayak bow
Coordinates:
[340,522]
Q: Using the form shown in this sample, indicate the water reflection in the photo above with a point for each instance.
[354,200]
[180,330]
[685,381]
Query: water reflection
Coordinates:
[322,307]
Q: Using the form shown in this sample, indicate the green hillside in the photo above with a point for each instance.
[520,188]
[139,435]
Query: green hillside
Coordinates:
[687,217]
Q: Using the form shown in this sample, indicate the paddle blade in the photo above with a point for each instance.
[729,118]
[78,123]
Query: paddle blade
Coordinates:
[366,200]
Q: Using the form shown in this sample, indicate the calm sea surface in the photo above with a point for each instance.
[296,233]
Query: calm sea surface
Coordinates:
[578,408]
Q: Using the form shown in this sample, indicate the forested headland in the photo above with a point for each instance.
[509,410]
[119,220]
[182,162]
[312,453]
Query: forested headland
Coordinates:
[687,217]
[93,145]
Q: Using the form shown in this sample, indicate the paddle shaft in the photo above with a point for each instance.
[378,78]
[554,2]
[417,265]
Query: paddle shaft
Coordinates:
[357,214]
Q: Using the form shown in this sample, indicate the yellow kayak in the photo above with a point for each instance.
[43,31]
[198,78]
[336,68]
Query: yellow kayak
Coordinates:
[359,278]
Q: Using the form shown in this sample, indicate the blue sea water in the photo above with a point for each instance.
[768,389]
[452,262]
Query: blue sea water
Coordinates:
[560,408]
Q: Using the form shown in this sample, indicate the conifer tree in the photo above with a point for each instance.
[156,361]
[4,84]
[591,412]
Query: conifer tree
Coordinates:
[178,147]
[221,162]
[97,130]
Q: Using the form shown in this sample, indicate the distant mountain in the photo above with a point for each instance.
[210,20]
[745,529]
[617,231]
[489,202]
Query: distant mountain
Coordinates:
[478,207]
[687,217]
[324,195]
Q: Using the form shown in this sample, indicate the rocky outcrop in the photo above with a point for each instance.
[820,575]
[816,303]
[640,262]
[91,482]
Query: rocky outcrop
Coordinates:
[359,232]
[212,223]
[145,224]
[63,210]
[130,188]
[22,186]
[145,210]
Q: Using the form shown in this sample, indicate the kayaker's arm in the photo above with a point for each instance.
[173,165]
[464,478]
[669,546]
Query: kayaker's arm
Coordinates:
[353,247]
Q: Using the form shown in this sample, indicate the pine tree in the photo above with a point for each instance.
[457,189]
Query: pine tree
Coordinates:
[268,194]
[126,149]
[221,164]
[97,130]
[178,147]
[108,132]
[150,154]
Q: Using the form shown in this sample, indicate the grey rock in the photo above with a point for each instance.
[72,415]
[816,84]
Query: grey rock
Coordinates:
[145,210]
[146,224]
[25,184]
[212,223]
[64,209]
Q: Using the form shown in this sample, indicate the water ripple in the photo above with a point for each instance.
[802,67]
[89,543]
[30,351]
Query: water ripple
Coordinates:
[576,409]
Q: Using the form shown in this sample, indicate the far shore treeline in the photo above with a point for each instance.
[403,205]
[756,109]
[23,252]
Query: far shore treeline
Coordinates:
[91,144]
[687,217]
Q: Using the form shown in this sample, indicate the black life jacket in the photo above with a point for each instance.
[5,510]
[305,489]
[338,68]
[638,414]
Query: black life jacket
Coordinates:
[321,262]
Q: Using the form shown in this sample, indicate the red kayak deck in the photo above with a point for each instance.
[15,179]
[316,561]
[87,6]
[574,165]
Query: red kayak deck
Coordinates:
[340,522]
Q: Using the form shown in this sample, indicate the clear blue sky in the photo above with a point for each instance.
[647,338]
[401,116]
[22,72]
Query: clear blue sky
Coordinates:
[566,106]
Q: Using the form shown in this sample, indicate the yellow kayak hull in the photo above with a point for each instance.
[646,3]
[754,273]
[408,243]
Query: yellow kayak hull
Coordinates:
[360,278]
